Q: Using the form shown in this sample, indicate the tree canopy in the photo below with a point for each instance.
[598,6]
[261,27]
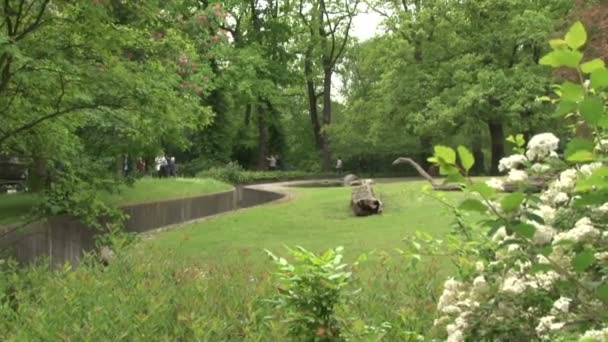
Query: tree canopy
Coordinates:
[87,85]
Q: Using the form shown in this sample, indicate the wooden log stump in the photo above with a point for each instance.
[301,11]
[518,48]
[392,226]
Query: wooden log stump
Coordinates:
[364,202]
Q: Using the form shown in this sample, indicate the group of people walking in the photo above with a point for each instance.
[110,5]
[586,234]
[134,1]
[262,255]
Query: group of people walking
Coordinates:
[165,167]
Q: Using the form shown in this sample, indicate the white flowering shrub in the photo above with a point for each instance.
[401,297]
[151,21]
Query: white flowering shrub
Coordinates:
[535,266]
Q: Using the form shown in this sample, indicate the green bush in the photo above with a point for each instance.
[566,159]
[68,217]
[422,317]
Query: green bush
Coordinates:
[312,293]
[235,174]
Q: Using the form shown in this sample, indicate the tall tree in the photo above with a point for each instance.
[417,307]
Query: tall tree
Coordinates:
[326,26]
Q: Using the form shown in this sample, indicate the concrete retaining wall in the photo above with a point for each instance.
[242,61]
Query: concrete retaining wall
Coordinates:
[64,239]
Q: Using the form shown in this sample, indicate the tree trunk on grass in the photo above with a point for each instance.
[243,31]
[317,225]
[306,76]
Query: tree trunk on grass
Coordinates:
[364,202]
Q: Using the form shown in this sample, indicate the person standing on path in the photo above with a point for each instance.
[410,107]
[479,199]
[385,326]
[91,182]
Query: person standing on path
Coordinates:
[339,165]
[272,162]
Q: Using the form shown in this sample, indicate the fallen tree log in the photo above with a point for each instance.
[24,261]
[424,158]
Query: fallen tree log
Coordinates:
[534,183]
[364,202]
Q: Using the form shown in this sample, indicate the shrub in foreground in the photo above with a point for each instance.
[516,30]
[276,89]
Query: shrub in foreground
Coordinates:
[536,266]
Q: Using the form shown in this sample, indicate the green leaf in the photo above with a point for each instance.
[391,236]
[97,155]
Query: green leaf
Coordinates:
[597,181]
[483,189]
[579,150]
[602,292]
[524,230]
[446,153]
[592,109]
[511,202]
[535,218]
[581,157]
[446,169]
[593,65]
[558,44]
[583,260]
[562,58]
[466,157]
[565,107]
[599,79]
[572,92]
[454,177]
[592,198]
[540,268]
[576,36]
[471,204]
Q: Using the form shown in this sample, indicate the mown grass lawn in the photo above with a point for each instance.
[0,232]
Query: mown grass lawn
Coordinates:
[211,281]
[14,207]
[317,219]
[229,250]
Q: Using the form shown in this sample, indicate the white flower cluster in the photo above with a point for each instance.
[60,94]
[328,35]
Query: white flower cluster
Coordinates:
[454,302]
[562,305]
[507,278]
[548,324]
[595,335]
[495,184]
[540,168]
[543,234]
[512,162]
[583,231]
[602,145]
[542,146]
[517,176]
[588,169]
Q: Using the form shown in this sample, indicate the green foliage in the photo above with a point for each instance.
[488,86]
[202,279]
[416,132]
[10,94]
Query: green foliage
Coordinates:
[519,143]
[312,293]
[556,236]
[233,173]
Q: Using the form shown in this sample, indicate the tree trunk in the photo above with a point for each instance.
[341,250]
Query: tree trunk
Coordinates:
[497,138]
[480,166]
[262,140]
[38,175]
[363,201]
[326,152]
[312,102]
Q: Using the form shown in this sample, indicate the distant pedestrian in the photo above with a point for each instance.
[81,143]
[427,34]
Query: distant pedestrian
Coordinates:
[141,165]
[272,162]
[161,166]
[172,167]
[339,165]
[125,165]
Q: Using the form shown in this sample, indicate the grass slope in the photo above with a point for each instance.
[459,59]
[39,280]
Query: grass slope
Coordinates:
[14,207]
[318,219]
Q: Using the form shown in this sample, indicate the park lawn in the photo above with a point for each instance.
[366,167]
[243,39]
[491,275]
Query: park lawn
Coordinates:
[229,249]
[213,277]
[317,219]
[14,207]
[155,189]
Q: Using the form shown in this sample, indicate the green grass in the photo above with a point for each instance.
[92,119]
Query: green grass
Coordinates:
[154,189]
[211,281]
[14,207]
[317,219]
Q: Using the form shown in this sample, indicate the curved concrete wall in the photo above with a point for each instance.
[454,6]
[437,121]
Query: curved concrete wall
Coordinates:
[64,239]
